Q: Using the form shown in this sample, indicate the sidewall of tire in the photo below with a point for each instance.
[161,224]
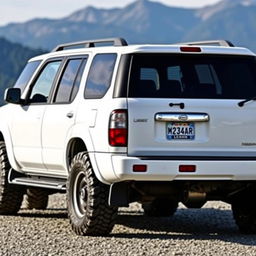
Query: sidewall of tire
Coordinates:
[11,196]
[78,221]
[98,217]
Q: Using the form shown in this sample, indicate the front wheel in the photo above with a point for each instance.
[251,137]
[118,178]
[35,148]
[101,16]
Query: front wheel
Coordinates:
[87,200]
[11,196]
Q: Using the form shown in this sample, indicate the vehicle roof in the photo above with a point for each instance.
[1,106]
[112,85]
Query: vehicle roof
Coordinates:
[147,48]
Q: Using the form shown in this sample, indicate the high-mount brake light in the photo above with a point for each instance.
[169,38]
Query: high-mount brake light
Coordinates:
[190,49]
[118,128]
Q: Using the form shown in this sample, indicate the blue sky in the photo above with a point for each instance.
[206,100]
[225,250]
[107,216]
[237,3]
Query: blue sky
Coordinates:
[23,10]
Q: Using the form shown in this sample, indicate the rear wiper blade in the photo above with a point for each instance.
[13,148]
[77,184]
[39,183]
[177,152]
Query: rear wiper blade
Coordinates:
[241,103]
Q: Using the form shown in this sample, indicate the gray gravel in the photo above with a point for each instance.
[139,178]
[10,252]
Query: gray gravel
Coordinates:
[207,231]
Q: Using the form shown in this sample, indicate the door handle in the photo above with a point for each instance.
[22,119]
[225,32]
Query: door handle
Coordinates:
[70,114]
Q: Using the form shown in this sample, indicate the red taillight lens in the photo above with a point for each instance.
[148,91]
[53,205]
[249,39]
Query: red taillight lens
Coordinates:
[118,131]
[190,49]
[118,137]
[187,168]
[139,168]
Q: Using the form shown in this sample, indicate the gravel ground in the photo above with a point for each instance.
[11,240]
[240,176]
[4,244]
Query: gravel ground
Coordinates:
[207,231]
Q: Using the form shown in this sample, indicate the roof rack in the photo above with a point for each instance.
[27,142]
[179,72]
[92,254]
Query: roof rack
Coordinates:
[91,43]
[225,43]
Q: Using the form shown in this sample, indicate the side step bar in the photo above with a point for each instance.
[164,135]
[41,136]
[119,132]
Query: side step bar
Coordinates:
[36,181]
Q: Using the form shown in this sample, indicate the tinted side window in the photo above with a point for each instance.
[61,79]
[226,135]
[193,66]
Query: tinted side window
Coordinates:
[26,75]
[78,80]
[100,76]
[68,81]
[44,82]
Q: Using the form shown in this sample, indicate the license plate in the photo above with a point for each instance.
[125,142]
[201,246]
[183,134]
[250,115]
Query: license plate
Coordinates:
[180,131]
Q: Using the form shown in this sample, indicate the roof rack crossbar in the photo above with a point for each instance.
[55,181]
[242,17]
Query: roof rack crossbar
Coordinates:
[225,43]
[91,43]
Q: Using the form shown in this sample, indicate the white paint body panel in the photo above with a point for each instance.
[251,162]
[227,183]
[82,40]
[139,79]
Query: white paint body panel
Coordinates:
[228,128]
[25,130]
[55,128]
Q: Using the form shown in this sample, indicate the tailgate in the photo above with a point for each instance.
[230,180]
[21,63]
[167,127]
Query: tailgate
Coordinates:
[203,128]
[187,105]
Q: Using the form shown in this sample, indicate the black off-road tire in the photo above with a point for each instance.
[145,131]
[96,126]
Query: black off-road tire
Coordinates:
[245,217]
[87,200]
[160,207]
[11,196]
[36,198]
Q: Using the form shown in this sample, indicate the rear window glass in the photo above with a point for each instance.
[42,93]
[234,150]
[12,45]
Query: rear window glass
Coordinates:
[192,76]
[150,74]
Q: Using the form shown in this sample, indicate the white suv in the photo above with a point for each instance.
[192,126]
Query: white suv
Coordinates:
[115,124]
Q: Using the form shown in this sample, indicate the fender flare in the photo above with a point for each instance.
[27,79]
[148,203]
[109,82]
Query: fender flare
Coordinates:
[4,130]
[80,132]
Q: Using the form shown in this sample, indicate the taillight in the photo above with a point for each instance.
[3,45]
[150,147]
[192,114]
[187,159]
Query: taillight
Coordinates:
[118,128]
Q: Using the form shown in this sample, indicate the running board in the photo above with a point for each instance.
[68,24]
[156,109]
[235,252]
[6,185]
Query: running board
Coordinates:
[36,181]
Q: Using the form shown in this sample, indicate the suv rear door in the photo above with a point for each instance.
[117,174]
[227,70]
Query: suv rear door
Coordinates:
[59,116]
[186,105]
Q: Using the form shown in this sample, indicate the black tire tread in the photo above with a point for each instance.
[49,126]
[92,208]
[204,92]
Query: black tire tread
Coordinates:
[11,196]
[100,217]
[36,198]
[245,218]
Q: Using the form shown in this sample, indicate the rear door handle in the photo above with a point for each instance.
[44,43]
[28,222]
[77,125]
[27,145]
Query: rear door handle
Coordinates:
[182,117]
[70,114]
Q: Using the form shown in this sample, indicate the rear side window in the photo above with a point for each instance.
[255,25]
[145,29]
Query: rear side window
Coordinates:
[100,76]
[26,75]
[192,76]
[69,82]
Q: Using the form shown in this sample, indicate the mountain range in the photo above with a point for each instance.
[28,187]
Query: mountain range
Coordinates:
[143,21]
[13,58]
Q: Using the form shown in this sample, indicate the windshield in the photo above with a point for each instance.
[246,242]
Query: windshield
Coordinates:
[26,75]
[192,76]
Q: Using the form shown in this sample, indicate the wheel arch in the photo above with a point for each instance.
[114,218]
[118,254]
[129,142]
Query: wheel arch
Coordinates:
[77,145]
[5,136]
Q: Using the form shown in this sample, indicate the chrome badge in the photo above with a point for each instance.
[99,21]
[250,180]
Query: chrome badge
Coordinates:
[140,120]
[248,144]
[183,117]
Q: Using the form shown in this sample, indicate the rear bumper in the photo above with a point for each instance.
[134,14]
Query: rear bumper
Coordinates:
[116,168]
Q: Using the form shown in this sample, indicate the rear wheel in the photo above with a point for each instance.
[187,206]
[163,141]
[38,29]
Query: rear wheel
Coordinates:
[11,196]
[245,216]
[36,198]
[87,200]
[160,207]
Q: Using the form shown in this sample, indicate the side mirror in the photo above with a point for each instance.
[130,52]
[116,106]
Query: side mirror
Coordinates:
[13,95]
